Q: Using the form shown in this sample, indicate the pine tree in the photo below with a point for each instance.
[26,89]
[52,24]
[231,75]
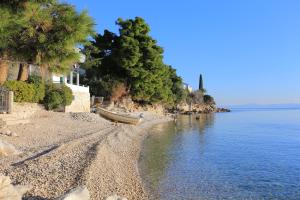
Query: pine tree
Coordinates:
[44,32]
[133,57]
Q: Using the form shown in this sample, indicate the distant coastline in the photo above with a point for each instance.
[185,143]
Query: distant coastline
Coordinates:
[264,106]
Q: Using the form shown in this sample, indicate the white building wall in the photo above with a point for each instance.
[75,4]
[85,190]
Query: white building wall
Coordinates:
[81,102]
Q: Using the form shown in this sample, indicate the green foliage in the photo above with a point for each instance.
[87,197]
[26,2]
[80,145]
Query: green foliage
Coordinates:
[209,100]
[133,57]
[53,100]
[31,91]
[104,86]
[57,96]
[23,92]
[67,95]
[43,32]
[201,82]
[39,87]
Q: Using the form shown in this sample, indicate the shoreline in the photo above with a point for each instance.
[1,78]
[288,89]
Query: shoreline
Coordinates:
[62,151]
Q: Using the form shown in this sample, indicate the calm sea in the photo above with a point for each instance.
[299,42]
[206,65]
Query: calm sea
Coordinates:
[245,154]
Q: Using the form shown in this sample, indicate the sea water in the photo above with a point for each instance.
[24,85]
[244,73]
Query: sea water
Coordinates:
[245,154]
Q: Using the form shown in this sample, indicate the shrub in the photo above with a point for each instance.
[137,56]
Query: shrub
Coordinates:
[53,100]
[23,92]
[39,88]
[209,100]
[57,96]
[67,95]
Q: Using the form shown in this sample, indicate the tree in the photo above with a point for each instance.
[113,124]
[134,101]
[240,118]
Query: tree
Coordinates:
[134,58]
[43,32]
[11,24]
[201,86]
[201,83]
[53,31]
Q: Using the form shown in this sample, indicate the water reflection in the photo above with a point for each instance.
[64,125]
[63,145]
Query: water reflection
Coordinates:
[158,150]
[239,155]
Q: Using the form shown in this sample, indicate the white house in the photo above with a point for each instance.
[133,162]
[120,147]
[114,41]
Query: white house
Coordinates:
[188,87]
[81,101]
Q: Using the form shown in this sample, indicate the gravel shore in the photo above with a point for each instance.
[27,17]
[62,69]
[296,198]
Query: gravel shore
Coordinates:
[61,151]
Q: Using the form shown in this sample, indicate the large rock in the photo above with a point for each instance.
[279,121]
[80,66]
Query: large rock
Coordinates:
[197,108]
[9,191]
[80,193]
[7,149]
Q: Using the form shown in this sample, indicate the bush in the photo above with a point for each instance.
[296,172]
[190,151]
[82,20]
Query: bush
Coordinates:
[67,95]
[39,88]
[57,96]
[53,100]
[209,100]
[23,92]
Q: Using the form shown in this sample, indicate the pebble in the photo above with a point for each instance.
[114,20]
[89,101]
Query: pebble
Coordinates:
[116,197]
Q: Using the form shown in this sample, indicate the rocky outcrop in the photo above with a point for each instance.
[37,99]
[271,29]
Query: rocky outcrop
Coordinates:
[185,108]
[223,110]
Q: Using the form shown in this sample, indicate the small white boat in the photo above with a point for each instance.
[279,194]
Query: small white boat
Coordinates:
[119,117]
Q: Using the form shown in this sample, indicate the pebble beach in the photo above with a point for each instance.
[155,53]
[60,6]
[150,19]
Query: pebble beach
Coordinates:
[62,151]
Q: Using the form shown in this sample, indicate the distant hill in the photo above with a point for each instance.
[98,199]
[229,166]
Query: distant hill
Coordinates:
[292,105]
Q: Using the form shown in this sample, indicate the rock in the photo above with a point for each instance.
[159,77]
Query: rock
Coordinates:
[9,191]
[80,193]
[223,110]
[2,124]
[116,197]
[7,149]
[13,134]
[87,117]
[6,132]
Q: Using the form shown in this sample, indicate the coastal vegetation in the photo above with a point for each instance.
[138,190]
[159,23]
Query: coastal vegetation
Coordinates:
[35,90]
[44,33]
[133,59]
[128,64]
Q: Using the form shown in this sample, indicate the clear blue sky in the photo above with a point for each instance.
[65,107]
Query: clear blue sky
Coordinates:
[247,50]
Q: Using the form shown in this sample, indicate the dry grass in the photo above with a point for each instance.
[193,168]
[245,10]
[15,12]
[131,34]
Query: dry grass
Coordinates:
[118,92]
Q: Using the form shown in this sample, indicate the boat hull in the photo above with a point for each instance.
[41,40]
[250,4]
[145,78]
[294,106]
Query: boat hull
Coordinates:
[119,117]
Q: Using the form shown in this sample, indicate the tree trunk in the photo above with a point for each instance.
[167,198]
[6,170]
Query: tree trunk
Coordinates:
[3,71]
[23,72]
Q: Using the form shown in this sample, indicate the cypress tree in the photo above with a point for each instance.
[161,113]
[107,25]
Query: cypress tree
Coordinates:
[201,83]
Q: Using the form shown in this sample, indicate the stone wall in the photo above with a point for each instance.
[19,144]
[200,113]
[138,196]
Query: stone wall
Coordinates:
[21,113]
[81,102]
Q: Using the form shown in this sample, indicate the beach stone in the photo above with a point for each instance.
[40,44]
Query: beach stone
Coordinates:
[9,191]
[116,197]
[80,193]
[7,149]
[7,132]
